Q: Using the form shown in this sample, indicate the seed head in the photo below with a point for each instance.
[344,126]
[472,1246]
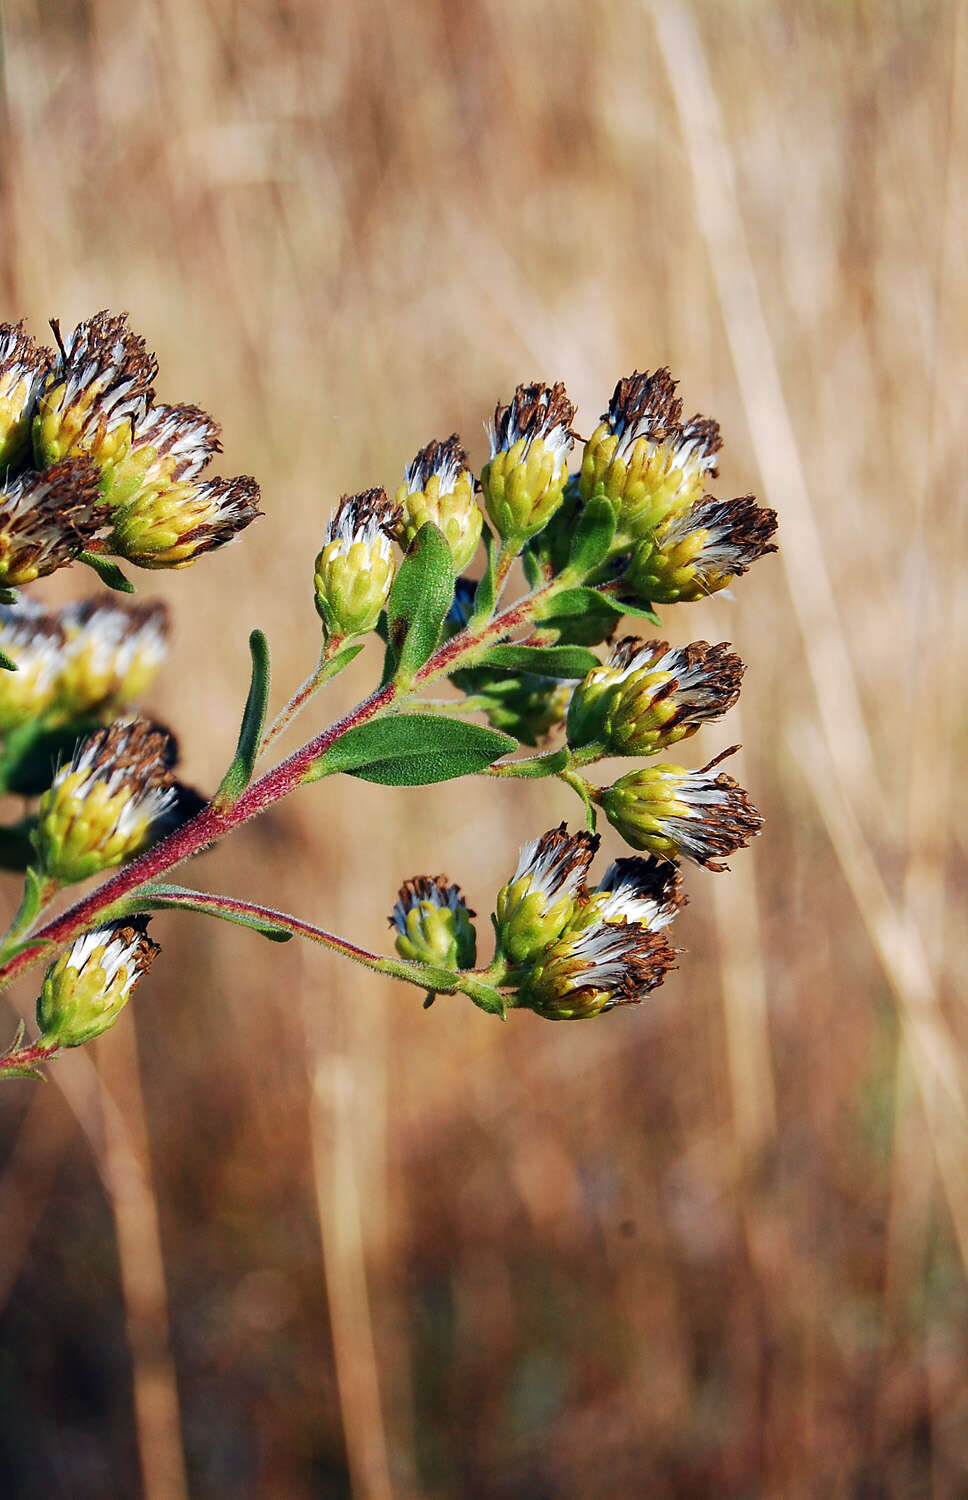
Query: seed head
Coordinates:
[531,439]
[170,444]
[46,519]
[700,550]
[649,696]
[87,988]
[673,812]
[171,526]
[108,803]
[594,968]
[433,923]
[355,568]
[538,901]
[23,370]
[439,487]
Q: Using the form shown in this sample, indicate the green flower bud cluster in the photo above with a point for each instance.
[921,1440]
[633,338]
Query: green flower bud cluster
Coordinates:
[433,923]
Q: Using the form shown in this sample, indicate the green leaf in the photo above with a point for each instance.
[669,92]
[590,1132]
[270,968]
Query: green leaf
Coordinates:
[108,571]
[7,663]
[8,596]
[179,898]
[533,571]
[582,616]
[593,536]
[629,607]
[485,597]
[239,773]
[413,750]
[543,661]
[421,595]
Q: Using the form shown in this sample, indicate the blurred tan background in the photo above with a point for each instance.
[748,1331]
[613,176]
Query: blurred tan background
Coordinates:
[288,1235]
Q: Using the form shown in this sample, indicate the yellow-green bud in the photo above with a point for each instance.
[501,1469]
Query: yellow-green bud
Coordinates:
[649,696]
[111,654]
[592,968]
[47,519]
[440,488]
[87,988]
[35,642]
[530,442]
[106,805]
[355,568]
[641,456]
[700,551]
[171,526]
[433,923]
[672,812]
[23,370]
[169,443]
[100,385]
[541,897]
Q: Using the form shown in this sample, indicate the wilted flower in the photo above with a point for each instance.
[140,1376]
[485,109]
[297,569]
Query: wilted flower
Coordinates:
[643,891]
[643,458]
[99,387]
[169,444]
[87,988]
[531,439]
[23,370]
[593,968]
[172,526]
[433,923]
[35,642]
[47,519]
[355,568]
[649,696]
[539,900]
[700,550]
[440,488]
[671,812]
[108,803]
[111,654]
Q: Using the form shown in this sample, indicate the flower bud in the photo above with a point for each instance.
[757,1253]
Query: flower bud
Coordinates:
[530,442]
[168,444]
[47,519]
[594,968]
[643,891]
[440,488]
[99,386]
[700,550]
[540,898]
[35,642]
[111,654]
[648,696]
[355,569]
[108,803]
[433,923]
[642,457]
[23,370]
[171,526]
[86,990]
[673,812]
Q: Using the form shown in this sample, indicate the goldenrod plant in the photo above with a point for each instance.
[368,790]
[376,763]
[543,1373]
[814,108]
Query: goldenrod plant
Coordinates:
[97,472]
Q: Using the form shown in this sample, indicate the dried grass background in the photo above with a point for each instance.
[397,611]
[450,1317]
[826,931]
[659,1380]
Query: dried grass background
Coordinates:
[293,1237]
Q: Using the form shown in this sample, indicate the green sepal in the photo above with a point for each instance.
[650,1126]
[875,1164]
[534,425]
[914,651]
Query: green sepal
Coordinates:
[108,572]
[159,898]
[543,661]
[422,593]
[486,594]
[580,616]
[593,536]
[412,750]
[239,773]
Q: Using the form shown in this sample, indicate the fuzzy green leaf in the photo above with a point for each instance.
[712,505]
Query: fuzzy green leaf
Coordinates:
[239,773]
[7,663]
[582,616]
[543,661]
[593,535]
[421,595]
[180,898]
[108,571]
[413,750]
[336,664]
[486,595]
